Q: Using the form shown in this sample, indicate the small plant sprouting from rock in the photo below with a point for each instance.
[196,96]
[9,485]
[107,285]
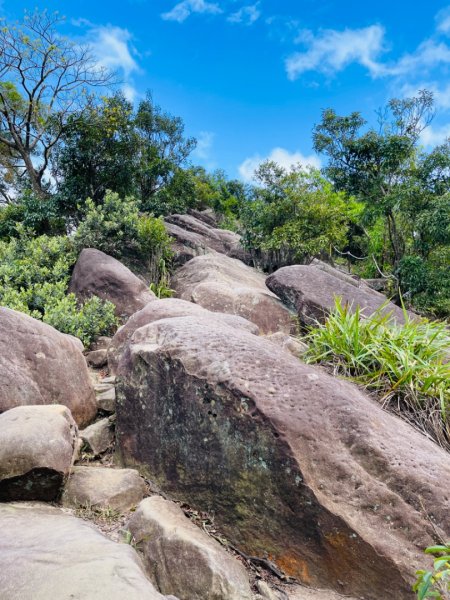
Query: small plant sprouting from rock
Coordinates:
[435,583]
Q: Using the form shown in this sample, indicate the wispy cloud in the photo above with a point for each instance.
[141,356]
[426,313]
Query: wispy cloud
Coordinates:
[181,11]
[282,157]
[247,15]
[331,51]
[435,135]
[443,20]
[204,145]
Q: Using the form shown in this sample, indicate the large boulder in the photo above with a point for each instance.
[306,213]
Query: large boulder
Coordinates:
[186,244]
[223,284]
[164,309]
[311,292]
[183,560]
[298,466]
[39,365]
[208,237]
[46,553]
[97,274]
[102,487]
[38,445]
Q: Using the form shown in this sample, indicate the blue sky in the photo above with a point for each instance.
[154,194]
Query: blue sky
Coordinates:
[250,78]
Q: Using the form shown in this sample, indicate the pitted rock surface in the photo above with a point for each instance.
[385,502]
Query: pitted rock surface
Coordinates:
[183,560]
[38,445]
[40,365]
[164,309]
[97,274]
[311,292]
[47,554]
[223,284]
[298,465]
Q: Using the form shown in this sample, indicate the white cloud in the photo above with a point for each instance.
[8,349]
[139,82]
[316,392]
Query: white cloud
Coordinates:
[181,11]
[441,94]
[443,20]
[247,15]
[428,55]
[330,51]
[204,145]
[282,157]
[113,49]
[433,136]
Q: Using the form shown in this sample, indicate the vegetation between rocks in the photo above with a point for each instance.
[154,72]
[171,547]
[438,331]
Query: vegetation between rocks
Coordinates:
[407,366]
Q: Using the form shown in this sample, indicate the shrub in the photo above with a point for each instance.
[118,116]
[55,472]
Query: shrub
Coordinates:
[435,583]
[155,249]
[34,276]
[110,227]
[406,365]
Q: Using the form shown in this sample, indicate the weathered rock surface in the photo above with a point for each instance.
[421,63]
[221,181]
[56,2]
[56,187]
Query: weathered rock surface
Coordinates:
[39,365]
[97,358]
[297,464]
[37,448]
[164,309]
[186,244]
[46,554]
[207,215]
[99,436]
[311,292]
[206,237]
[102,487]
[105,397]
[223,284]
[97,274]
[183,560]
[288,343]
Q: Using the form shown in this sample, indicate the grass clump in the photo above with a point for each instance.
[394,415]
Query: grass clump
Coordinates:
[407,365]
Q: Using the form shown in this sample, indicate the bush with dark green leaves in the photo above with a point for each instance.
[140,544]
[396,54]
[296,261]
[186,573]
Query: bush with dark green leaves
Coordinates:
[34,277]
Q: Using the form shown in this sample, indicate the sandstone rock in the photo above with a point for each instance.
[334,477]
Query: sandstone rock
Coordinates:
[312,292]
[186,244]
[39,365]
[183,560]
[267,592]
[99,436]
[327,268]
[223,284]
[97,274]
[97,358]
[102,487]
[101,343]
[288,343]
[219,240]
[298,465]
[164,309]
[208,216]
[37,449]
[106,398]
[46,554]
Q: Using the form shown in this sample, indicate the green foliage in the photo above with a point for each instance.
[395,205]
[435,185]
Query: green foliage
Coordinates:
[34,276]
[110,227]
[435,583]
[39,215]
[155,250]
[406,365]
[294,216]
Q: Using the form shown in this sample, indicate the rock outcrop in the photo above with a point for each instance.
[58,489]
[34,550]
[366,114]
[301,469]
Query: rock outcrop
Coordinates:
[202,238]
[47,554]
[99,437]
[37,448]
[311,292]
[183,560]
[223,284]
[164,309]
[97,274]
[101,487]
[39,365]
[298,466]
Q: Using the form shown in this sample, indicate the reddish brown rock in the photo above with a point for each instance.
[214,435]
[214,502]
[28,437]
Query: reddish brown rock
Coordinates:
[311,292]
[166,308]
[39,365]
[97,274]
[223,284]
[296,464]
[186,244]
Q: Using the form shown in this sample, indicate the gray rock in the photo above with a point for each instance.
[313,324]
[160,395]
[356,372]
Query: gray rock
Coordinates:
[106,399]
[97,358]
[39,365]
[47,554]
[288,343]
[102,487]
[99,436]
[37,448]
[183,560]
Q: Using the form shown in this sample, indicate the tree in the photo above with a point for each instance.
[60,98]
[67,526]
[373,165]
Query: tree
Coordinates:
[294,216]
[376,165]
[44,80]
